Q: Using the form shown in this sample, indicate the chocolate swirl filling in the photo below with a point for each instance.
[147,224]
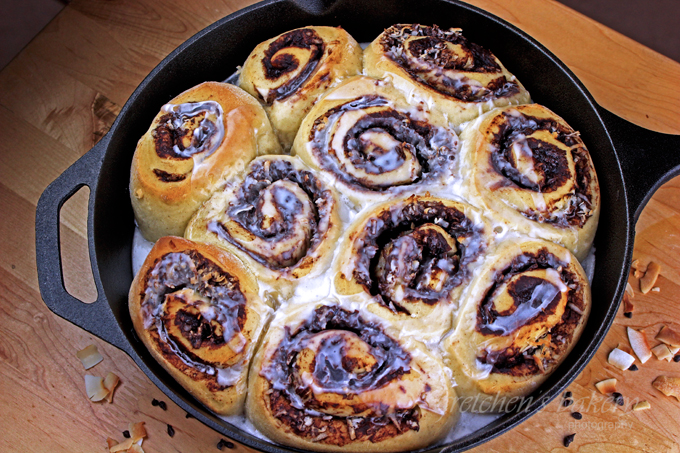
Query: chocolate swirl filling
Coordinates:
[284,210]
[197,310]
[417,253]
[278,62]
[352,355]
[446,62]
[543,167]
[381,147]
[185,131]
[535,299]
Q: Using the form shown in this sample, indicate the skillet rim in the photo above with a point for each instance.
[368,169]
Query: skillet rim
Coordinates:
[507,421]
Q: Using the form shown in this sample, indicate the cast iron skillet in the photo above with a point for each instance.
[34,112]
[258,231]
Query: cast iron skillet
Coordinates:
[628,176]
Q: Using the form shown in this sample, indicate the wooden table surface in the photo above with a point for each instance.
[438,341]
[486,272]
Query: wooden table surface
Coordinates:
[61,94]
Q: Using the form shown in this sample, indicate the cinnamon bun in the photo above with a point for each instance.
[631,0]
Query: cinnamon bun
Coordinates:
[532,170]
[412,257]
[197,140]
[280,219]
[443,69]
[196,308]
[288,73]
[330,377]
[374,144]
[523,314]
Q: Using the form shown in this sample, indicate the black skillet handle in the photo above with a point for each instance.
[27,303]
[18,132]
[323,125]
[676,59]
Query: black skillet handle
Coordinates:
[97,317]
[648,159]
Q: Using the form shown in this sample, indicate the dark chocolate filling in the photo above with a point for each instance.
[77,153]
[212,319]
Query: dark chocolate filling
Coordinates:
[168,138]
[549,160]
[391,225]
[277,65]
[210,281]
[513,360]
[432,53]
[243,209]
[292,402]
[434,151]
[168,177]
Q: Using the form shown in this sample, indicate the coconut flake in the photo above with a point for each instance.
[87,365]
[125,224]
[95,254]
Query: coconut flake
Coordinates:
[123,446]
[137,431]
[94,386]
[641,406]
[649,279]
[624,348]
[110,383]
[89,356]
[607,386]
[629,290]
[638,342]
[136,448]
[575,308]
[620,359]
[669,386]
[628,306]
[662,352]
[668,336]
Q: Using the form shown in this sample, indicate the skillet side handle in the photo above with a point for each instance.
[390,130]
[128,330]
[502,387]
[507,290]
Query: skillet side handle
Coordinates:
[648,159]
[96,317]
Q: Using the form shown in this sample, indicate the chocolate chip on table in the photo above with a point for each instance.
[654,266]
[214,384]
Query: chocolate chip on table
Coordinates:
[577,415]
[569,439]
[567,402]
[618,398]
[162,405]
[633,367]
[676,358]
[567,395]
[126,434]
[224,443]
[155,402]
[628,314]
[171,431]
[188,415]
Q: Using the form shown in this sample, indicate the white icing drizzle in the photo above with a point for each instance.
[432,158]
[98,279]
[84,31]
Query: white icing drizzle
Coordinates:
[210,131]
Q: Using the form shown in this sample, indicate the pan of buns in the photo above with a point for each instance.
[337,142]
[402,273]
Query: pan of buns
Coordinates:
[358,226]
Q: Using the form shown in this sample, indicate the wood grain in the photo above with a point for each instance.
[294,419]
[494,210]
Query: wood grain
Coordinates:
[62,93]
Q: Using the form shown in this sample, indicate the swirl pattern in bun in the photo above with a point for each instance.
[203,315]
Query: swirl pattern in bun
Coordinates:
[532,170]
[523,314]
[443,69]
[280,219]
[412,257]
[374,144]
[290,72]
[333,378]
[197,310]
[198,140]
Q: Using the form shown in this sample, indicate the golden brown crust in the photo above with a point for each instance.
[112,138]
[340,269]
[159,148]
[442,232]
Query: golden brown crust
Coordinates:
[374,143]
[528,167]
[279,218]
[523,314]
[441,67]
[384,395]
[197,310]
[289,73]
[213,131]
